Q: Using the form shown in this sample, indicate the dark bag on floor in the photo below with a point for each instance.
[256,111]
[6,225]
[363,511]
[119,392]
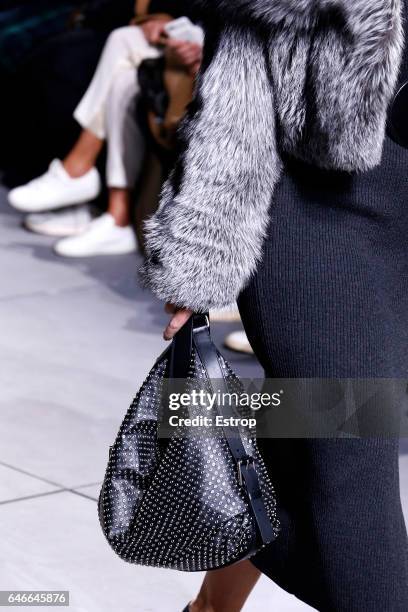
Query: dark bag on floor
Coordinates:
[197,500]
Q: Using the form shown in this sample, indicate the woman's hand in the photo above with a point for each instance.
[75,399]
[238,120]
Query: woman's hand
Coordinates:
[177,320]
[154,30]
[183,54]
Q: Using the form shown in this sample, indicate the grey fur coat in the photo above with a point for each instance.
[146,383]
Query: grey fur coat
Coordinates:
[311,78]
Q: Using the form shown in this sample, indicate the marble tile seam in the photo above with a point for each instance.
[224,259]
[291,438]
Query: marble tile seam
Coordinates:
[89,484]
[5,502]
[61,487]
[45,293]
[76,491]
[80,494]
[32,475]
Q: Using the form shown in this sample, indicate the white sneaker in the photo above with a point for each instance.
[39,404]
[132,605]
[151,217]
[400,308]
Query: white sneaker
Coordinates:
[229,314]
[102,237]
[238,341]
[65,222]
[55,189]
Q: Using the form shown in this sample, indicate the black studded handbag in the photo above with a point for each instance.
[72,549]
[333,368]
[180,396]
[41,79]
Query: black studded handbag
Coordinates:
[197,499]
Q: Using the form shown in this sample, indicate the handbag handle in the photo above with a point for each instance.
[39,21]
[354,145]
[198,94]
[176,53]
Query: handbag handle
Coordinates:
[196,333]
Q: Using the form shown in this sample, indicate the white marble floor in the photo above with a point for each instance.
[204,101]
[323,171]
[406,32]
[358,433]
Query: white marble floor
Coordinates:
[77,338]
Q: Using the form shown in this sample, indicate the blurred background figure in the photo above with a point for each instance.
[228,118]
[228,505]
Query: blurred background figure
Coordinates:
[92,80]
[108,112]
[48,54]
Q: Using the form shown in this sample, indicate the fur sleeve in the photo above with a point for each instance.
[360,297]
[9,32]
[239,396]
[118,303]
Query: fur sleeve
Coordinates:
[332,89]
[205,240]
[269,13]
[334,66]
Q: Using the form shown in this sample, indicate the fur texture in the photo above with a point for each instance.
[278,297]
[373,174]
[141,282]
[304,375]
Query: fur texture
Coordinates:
[206,238]
[332,89]
[320,74]
[298,13]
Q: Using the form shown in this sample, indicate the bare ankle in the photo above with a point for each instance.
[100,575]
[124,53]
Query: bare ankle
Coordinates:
[119,205]
[200,605]
[83,155]
[76,169]
[121,220]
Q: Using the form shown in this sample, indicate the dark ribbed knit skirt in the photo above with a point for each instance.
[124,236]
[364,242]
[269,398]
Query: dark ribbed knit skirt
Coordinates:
[330,299]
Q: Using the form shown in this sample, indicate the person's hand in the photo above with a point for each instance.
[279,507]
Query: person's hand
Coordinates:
[179,316]
[194,68]
[154,30]
[183,54]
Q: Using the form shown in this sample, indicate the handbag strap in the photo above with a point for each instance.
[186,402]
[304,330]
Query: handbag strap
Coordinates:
[247,473]
[181,349]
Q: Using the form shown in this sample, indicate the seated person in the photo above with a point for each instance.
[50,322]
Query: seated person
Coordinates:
[106,113]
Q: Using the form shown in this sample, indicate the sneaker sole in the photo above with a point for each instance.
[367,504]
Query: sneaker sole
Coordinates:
[55,233]
[107,252]
[55,206]
[238,348]
[227,316]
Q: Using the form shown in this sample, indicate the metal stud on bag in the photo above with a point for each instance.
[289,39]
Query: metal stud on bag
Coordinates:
[196,502]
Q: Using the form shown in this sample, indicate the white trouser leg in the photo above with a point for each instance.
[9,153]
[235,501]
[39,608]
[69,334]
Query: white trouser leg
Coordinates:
[125,48]
[125,141]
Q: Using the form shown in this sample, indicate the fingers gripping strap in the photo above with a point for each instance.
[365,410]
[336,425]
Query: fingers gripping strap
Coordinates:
[247,472]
